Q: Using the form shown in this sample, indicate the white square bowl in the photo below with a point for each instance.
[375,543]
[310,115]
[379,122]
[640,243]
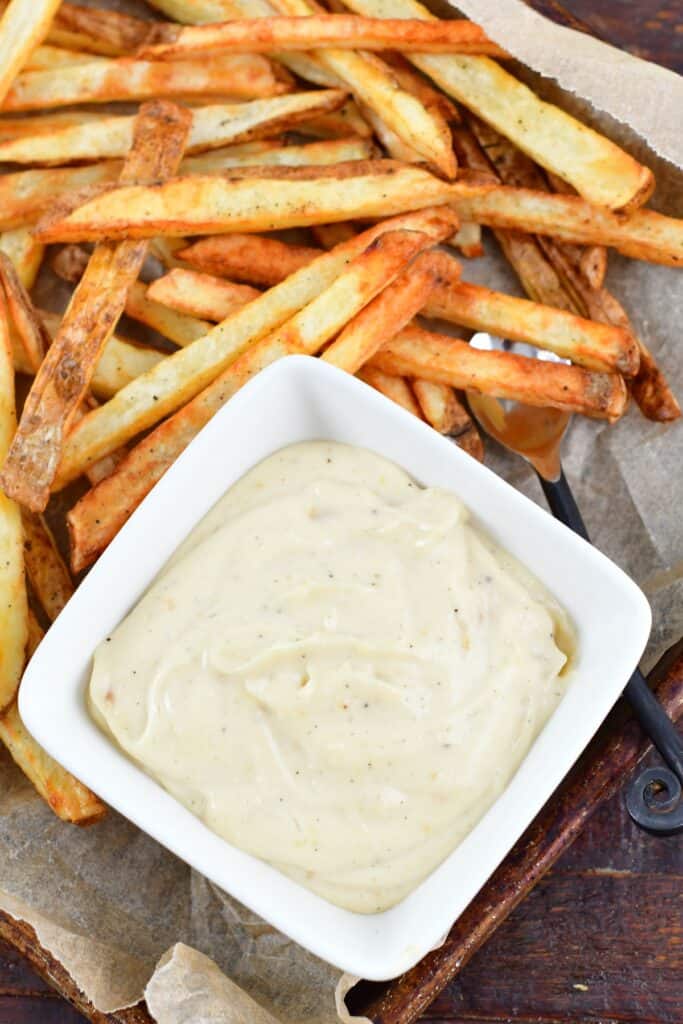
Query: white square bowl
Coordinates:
[300,399]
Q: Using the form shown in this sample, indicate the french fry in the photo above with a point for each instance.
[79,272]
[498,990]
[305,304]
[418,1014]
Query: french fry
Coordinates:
[599,170]
[418,353]
[250,258]
[97,30]
[25,252]
[311,154]
[121,362]
[395,147]
[103,81]
[46,572]
[200,295]
[416,83]
[330,235]
[234,201]
[18,127]
[177,327]
[348,120]
[66,796]
[65,373]
[23,26]
[370,263]
[212,126]
[30,330]
[373,85]
[597,346]
[444,411]
[345,31]
[468,240]
[49,57]
[13,604]
[391,310]
[392,386]
[27,195]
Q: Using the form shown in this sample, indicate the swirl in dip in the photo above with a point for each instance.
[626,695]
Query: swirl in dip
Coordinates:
[337,672]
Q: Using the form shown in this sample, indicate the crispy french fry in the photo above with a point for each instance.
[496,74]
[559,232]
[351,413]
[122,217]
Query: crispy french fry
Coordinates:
[391,310]
[312,154]
[66,796]
[468,240]
[30,330]
[97,30]
[212,126]
[25,252]
[233,201]
[346,31]
[248,258]
[597,346]
[416,83]
[373,84]
[13,604]
[97,517]
[47,574]
[18,127]
[598,169]
[392,386]
[27,195]
[46,58]
[23,26]
[177,327]
[121,362]
[395,147]
[121,78]
[418,353]
[348,120]
[444,411]
[202,295]
[330,235]
[65,373]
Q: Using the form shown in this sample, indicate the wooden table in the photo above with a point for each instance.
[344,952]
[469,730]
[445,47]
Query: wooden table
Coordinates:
[600,940]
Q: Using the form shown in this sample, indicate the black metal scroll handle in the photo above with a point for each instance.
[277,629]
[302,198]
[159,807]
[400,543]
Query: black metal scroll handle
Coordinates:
[653,798]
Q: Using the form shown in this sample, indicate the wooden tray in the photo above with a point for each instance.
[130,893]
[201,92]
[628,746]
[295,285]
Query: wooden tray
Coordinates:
[600,772]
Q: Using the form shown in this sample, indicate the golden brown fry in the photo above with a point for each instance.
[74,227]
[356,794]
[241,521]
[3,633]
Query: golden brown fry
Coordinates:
[412,81]
[330,235]
[25,252]
[234,201]
[200,295]
[444,411]
[13,604]
[95,519]
[311,154]
[66,796]
[468,240]
[182,330]
[65,373]
[183,374]
[213,126]
[391,310]
[347,31]
[23,26]
[47,574]
[30,330]
[599,170]
[45,58]
[248,258]
[418,353]
[596,346]
[18,127]
[373,84]
[103,81]
[27,195]
[348,120]
[97,29]
[392,386]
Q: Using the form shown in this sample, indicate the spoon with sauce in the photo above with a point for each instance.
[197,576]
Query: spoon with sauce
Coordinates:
[653,798]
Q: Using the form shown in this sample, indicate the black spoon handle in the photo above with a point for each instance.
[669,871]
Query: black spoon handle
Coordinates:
[664,816]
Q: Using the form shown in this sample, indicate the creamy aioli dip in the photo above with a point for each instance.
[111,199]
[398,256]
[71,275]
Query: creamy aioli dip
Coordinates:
[336,672]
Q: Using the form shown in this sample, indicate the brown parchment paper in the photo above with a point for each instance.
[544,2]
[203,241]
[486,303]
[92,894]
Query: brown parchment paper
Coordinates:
[128,919]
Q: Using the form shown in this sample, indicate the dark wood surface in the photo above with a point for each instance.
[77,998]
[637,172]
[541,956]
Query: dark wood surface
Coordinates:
[600,939]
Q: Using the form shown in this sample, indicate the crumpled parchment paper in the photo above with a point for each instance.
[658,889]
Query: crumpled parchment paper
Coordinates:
[128,919]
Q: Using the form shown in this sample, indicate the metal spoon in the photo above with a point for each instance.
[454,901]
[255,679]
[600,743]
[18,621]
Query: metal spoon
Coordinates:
[653,798]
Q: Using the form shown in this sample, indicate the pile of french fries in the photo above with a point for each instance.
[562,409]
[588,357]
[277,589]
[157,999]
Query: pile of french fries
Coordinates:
[391,138]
